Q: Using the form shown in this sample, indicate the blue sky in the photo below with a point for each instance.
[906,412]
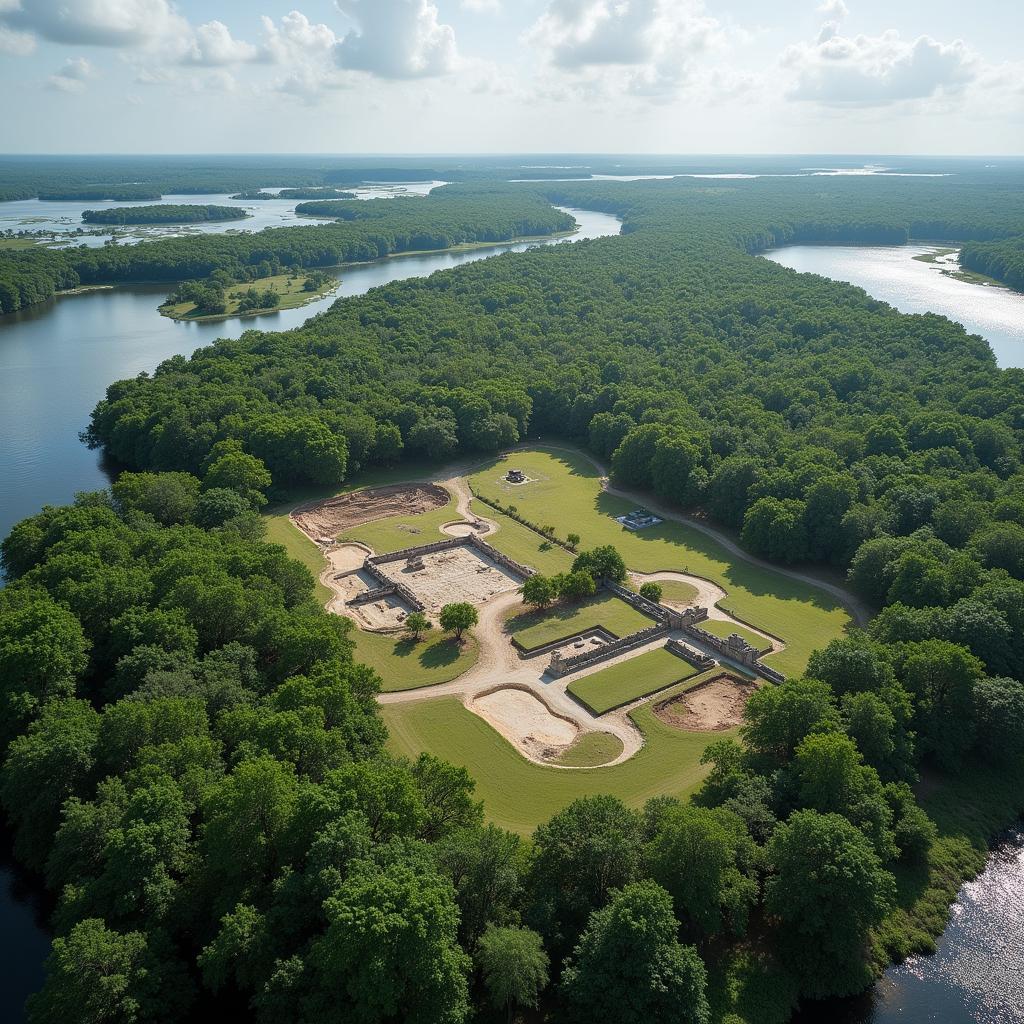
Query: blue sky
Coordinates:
[674,76]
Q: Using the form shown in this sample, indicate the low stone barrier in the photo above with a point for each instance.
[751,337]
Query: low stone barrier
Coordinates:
[395,586]
[373,595]
[769,673]
[498,557]
[688,654]
[419,550]
[641,604]
[559,666]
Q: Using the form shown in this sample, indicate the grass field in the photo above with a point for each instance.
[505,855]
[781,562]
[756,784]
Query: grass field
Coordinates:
[404,665]
[566,492]
[723,629]
[591,749]
[519,794]
[288,287]
[675,592]
[532,629]
[629,680]
[522,544]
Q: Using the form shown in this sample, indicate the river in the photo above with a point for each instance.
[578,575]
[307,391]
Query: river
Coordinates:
[892,274]
[56,360]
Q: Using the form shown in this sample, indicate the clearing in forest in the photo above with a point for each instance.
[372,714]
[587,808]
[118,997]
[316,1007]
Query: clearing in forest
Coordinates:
[328,519]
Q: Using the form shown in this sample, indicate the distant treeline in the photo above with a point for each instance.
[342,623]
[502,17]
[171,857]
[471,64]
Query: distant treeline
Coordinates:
[1003,260]
[379,228]
[295,193]
[163,214]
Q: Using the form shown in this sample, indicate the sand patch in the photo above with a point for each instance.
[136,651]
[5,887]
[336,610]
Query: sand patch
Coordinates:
[525,720]
[466,529]
[347,557]
[322,521]
[715,705]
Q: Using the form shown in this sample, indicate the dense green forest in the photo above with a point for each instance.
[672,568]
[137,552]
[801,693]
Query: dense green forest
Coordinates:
[162,214]
[1002,259]
[376,228]
[196,764]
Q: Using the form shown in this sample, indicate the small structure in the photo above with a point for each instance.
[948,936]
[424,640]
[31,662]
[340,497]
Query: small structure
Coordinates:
[415,564]
[638,519]
[515,476]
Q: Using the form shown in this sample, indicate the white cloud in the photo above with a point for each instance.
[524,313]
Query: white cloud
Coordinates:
[482,6]
[297,39]
[16,44]
[72,76]
[396,39]
[97,22]
[834,9]
[212,45]
[647,45]
[876,70]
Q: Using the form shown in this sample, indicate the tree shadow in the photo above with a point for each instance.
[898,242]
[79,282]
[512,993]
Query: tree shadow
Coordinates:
[436,652]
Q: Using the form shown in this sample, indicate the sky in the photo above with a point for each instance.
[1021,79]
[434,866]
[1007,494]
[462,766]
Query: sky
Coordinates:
[506,76]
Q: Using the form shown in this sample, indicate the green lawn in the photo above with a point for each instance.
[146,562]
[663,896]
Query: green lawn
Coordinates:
[565,491]
[592,748]
[723,629]
[404,665]
[629,680]
[523,544]
[675,592]
[532,629]
[519,794]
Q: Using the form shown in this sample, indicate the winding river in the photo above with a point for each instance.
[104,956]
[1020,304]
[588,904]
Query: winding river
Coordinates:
[57,359]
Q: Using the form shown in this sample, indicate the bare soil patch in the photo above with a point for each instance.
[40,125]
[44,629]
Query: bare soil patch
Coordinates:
[324,520]
[715,705]
[455,574]
[526,721]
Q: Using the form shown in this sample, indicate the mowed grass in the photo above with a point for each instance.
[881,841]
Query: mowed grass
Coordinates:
[675,592]
[519,794]
[629,680]
[532,629]
[724,629]
[404,664]
[523,544]
[566,492]
[289,287]
[590,750]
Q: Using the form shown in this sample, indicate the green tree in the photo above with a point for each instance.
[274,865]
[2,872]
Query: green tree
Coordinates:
[652,591]
[573,540]
[602,562]
[240,472]
[827,890]
[576,586]
[514,967]
[629,961]
[538,590]
[458,617]
[999,709]
[777,718]
[417,623]
[167,497]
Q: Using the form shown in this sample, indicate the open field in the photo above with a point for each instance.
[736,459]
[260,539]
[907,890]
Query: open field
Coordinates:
[590,750]
[532,629]
[677,593]
[523,544]
[404,665]
[335,516]
[713,705]
[629,680]
[566,492]
[403,531]
[289,287]
[722,628]
[519,794]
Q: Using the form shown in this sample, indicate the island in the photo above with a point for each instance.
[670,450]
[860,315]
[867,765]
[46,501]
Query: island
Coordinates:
[163,214]
[296,193]
[216,300]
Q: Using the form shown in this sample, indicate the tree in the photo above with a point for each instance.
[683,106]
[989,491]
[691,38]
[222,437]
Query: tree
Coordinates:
[514,967]
[576,586]
[775,528]
[827,890]
[99,975]
[602,562]
[850,664]
[581,853]
[999,709]
[389,951]
[458,617]
[630,962]
[417,623]
[237,471]
[573,540]
[631,462]
[705,859]
[778,717]
[652,591]
[167,497]
[538,590]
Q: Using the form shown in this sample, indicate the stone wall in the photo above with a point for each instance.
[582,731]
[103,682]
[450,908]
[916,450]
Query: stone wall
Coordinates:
[498,557]
[560,666]
[419,550]
[393,586]
[688,654]
[641,604]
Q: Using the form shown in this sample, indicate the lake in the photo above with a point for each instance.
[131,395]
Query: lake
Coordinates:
[56,361]
[891,273]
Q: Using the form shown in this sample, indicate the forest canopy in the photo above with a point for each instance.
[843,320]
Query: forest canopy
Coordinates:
[162,214]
